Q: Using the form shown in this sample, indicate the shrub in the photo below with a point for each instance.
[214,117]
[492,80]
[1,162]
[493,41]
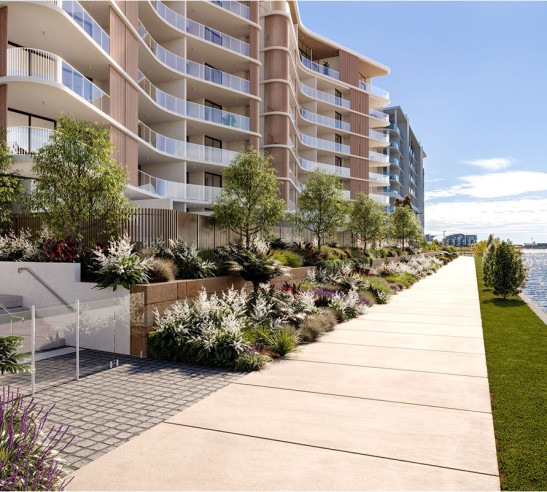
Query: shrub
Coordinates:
[120,266]
[279,243]
[29,457]
[162,269]
[487,263]
[189,263]
[284,340]
[367,298]
[288,258]
[379,288]
[508,273]
[346,278]
[64,250]
[346,305]
[251,360]
[310,255]
[405,279]
[19,247]
[9,358]
[316,324]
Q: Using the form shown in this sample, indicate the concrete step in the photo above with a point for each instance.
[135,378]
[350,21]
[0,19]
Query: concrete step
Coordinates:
[11,301]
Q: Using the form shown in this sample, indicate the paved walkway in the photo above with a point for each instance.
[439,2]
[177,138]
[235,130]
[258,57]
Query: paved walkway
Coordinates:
[397,399]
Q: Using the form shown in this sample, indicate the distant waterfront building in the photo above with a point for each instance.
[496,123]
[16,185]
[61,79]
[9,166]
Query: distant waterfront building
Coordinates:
[460,240]
[429,237]
[406,165]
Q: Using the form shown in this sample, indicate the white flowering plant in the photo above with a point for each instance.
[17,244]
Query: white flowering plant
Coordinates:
[19,247]
[120,265]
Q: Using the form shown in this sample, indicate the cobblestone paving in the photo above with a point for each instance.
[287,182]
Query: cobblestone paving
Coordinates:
[104,409]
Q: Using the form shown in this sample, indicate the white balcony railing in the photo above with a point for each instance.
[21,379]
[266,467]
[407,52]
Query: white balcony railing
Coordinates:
[374,90]
[213,115]
[167,145]
[322,69]
[24,140]
[192,68]
[307,165]
[376,113]
[376,156]
[325,120]
[161,98]
[381,199]
[235,7]
[202,153]
[325,96]
[378,178]
[324,144]
[382,137]
[41,65]
[178,191]
[199,30]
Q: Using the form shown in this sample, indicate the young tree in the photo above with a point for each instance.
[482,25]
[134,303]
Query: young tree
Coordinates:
[404,224]
[9,358]
[10,185]
[79,183]
[508,273]
[367,219]
[249,203]
[487,261]
[321,206]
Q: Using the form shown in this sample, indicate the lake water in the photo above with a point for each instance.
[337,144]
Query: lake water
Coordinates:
[536,261]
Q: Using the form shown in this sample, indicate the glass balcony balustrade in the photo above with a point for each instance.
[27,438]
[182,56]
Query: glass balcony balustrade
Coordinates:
[382,137]
[378,114]
[376,156]
[213,115]
[378,178]
[234,7]
[199,30]
[322,69]
[25,140]
[381,199]
[38,64]
[319,143]
[395,145]
[325,120]
[394,177]
[394,161]
[373,90]
[325,96]
[308,165]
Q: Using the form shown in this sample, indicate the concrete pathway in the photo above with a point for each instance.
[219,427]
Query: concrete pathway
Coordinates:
[395,400]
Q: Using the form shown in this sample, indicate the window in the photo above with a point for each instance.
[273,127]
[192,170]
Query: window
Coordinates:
[338,118]
[338,139]
[212,74]
[337,161]
[213,180]
[211,146]
[214,113]
[213,36]
[213,142]
[337,93]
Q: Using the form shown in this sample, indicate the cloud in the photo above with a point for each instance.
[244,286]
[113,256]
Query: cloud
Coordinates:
[436,180]
[518,219]
[494,185]
[492,164]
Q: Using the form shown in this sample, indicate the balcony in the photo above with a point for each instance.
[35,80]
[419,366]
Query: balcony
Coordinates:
[329,145]
[394,161]
[194,28]
[375,113]
[375,91]
[390,209]
[325,120]
[325,96]
[382,137]
[178,191]
[192,68]
[376,156]
[394,177]
[25,140]
[329,72]
[218,116]
[202,153]
[393,127]
[381,199]
[161,98]
[395,145]
[377,178]
[41,65]
[80,16]
[307,165]
[234,7]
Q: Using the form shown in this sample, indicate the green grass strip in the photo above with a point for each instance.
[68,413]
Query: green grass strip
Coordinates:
[516,355]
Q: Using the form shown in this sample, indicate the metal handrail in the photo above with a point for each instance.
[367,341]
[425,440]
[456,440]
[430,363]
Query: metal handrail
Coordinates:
[25,269]
[11,317]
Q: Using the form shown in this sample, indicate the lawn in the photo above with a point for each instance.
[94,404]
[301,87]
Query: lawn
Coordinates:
[516,356]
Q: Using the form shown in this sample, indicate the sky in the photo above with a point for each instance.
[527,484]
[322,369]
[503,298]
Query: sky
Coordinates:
[472,78]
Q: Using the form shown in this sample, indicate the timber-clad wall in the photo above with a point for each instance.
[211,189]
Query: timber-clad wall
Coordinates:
[3,68]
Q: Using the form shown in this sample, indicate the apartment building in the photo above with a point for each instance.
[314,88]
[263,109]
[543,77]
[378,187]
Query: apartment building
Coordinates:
[185,85]
[460,239]
[406,163]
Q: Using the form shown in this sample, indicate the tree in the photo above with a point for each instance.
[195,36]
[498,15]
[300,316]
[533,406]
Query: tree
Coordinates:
[367,219]
[406,202]
[508,273]
[487,261]
[404,224]
[249,203]
[321,206]
[10,185]
[9,358]
[79,184]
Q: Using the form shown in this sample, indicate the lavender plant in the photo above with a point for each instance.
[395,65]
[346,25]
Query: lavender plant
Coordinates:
[29,452]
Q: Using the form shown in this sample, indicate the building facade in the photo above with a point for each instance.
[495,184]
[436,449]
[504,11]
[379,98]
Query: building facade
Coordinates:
[185,85]
[406,163]
[460,240]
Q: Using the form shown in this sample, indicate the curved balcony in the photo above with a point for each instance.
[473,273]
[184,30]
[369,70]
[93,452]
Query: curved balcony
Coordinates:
[381,199]
[329,72]
[322,144]
[306,165]
[218,116]
[394,128]
[177,191]
[382,137]
[192,68]
[394,177]
[380,115]
[375,91]
[377,178]
[161,98]
[377,157]
[199,30]
[324,96]
[41,65]
[25,140]
[234,7]
[325,120]
[167,145]
[394,161]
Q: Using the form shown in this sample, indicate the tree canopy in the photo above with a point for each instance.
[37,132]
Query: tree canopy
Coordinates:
[367,219]
[403,224]
[10,185]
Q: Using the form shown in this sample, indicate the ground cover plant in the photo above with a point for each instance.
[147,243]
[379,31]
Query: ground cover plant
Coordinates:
[516,349]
